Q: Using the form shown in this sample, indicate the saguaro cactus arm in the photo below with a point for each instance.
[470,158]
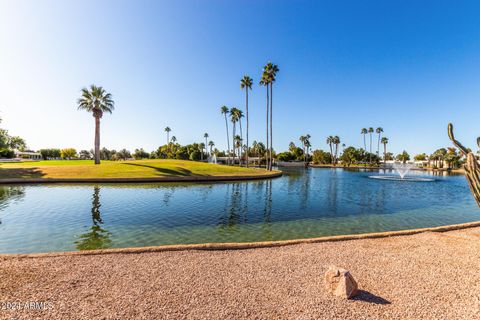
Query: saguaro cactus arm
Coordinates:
[472,170]
[455,142]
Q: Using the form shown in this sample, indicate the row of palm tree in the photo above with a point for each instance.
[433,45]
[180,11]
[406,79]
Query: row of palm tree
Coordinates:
[370,131]
[269,75]
[333,142]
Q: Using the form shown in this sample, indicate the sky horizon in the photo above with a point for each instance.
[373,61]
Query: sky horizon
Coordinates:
[409,67]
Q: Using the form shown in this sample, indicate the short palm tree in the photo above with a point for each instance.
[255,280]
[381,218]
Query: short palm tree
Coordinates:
[211,144]
[97,101]
[240,116]
[225,111]
[205,135]
[336,142]
[238,144]
[384,142]
[307,146]
[234,117]
[201,148]
[379,131]
[303,140]
[255,148]
[364,132]
[330,142]
[246,83]
[174,139]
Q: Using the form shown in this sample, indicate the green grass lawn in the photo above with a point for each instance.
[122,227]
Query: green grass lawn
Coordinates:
[120,169]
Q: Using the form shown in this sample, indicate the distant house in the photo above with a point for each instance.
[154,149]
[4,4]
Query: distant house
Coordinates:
[27,155]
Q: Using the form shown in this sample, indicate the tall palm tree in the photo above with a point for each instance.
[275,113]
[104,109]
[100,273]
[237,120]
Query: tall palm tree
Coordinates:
[205,135]
[330,140]
[211,144]
[264,81]
[246,83]
[270,70]
[364,132]
[379,131]
[384,142]
[225,111]
[97,101]
[370,131]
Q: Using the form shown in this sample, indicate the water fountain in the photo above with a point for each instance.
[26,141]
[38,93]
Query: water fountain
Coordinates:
[212,159]
[402,169]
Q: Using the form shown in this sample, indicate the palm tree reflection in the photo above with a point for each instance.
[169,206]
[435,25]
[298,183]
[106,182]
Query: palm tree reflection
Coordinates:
[10,193]
[96,237]
[233,207]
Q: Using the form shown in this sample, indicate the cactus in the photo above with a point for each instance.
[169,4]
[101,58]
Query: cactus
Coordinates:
[472,169]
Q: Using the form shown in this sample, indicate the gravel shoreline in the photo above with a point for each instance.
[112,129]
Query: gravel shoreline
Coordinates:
[424,276]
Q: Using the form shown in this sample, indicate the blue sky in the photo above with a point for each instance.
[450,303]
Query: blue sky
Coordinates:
[407,66]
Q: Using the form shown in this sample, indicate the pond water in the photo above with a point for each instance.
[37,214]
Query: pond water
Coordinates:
[303,203]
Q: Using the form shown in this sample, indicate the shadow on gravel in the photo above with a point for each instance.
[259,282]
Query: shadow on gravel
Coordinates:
[370,298]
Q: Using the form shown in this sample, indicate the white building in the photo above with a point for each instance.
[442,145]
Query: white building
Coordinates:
[27,155]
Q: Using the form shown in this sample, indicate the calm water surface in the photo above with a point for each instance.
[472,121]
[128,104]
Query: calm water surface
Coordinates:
[301,204]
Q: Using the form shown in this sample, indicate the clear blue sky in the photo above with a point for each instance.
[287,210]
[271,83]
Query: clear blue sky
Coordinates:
[407,66]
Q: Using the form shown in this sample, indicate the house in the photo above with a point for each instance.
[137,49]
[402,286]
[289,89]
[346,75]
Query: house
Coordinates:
[27,155]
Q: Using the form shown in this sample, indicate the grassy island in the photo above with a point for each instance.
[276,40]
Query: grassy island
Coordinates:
[136,169]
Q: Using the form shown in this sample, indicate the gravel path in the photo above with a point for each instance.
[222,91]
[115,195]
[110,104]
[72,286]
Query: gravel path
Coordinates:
[424,276]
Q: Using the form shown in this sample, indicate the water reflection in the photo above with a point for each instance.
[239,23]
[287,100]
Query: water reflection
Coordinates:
[96,237]
[9,194]
[302,203]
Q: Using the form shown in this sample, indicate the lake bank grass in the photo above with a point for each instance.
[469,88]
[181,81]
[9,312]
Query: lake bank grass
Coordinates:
[134,169]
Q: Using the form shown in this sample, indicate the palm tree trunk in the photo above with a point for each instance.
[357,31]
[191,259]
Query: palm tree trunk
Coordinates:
[370,161]
[266,153]
[378,145]
[384,154]
[228,139]
[365,146]
[246,106]
[331,153]
[97,140]
[271,126]
[336,154]
[233,143]
[240,155]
